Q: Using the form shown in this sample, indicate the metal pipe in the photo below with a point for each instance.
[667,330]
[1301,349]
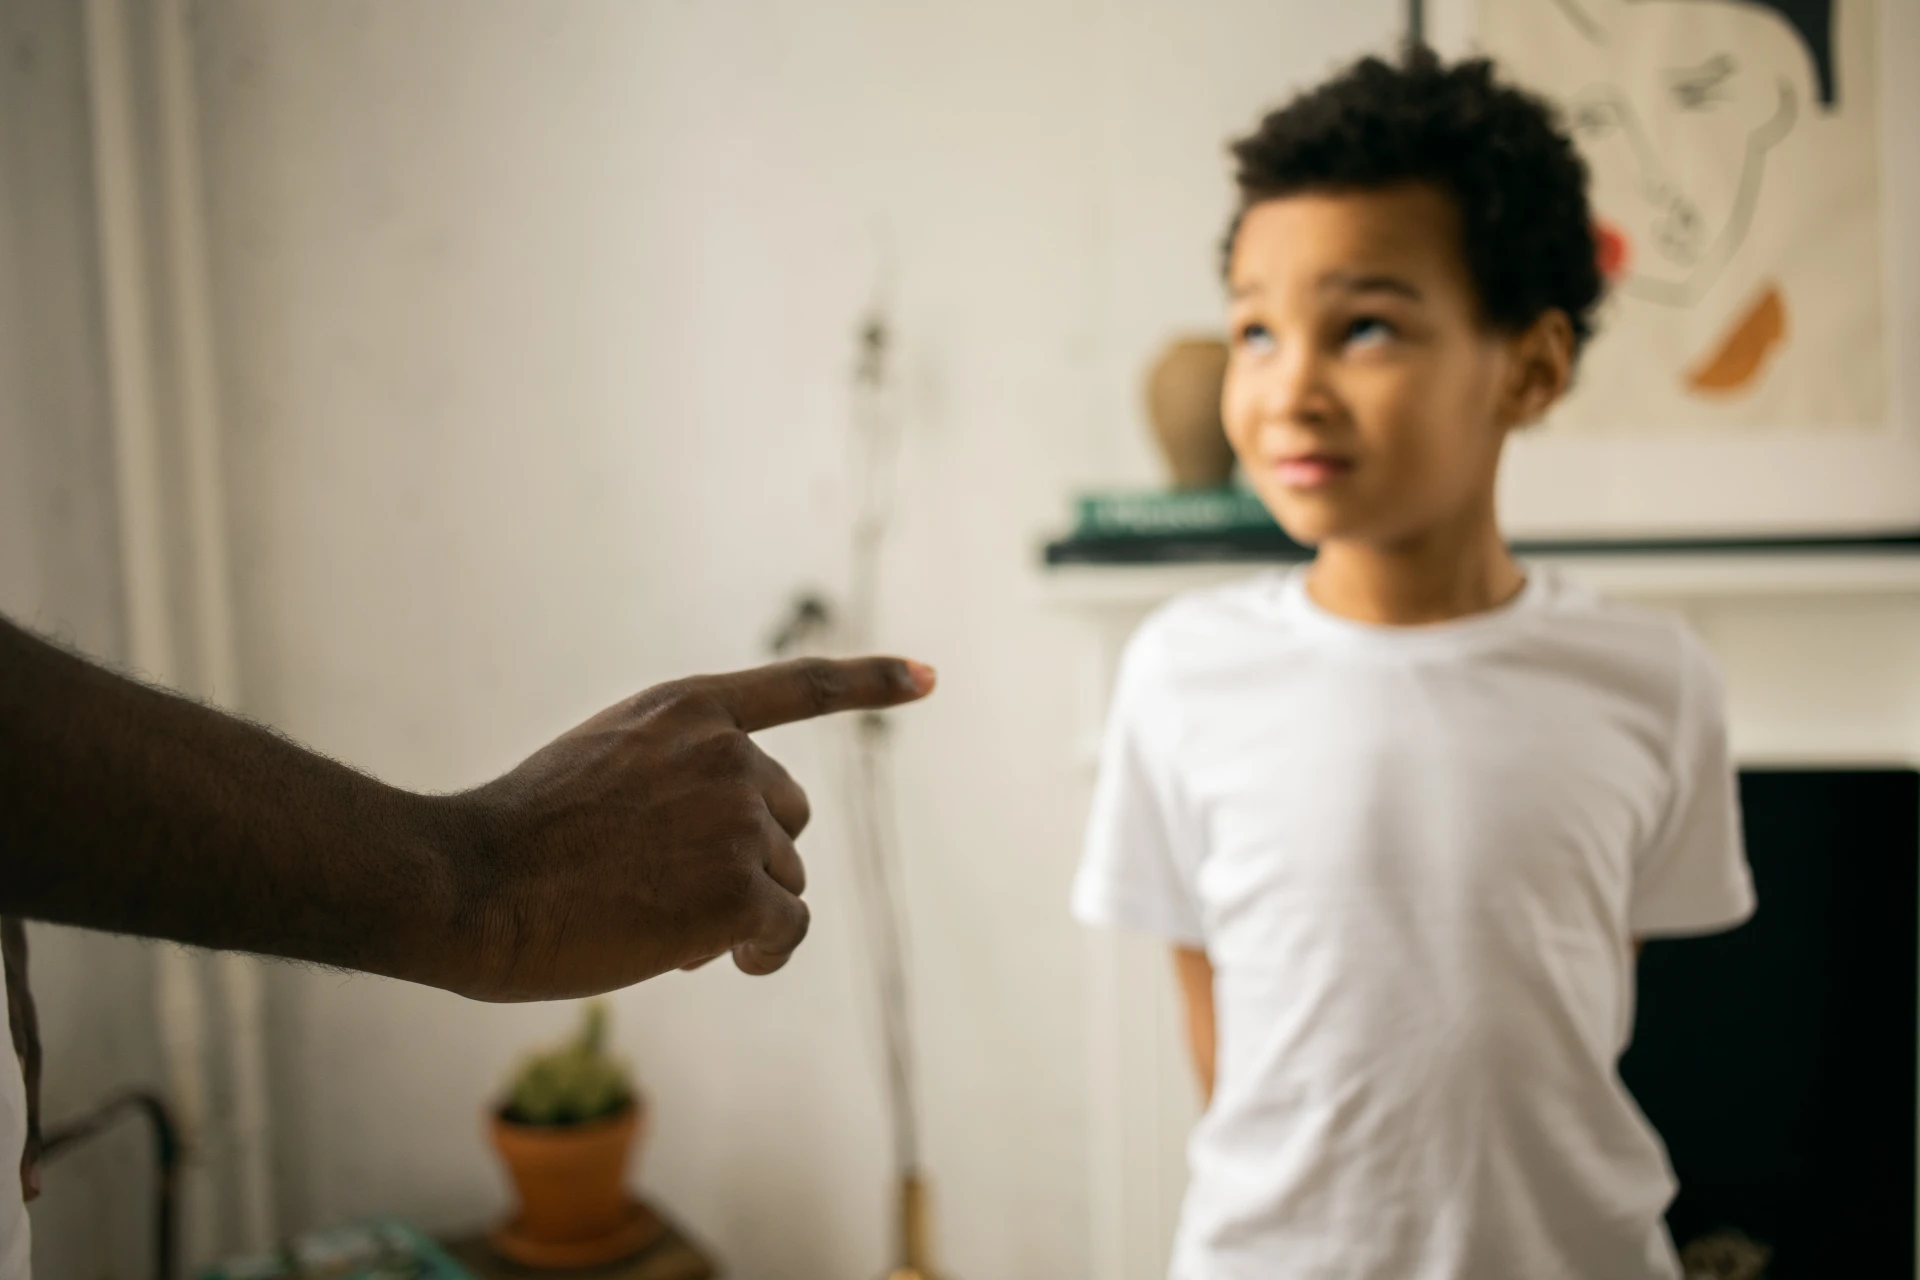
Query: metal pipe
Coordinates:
[248,1117]
[134,399]
[166,1151]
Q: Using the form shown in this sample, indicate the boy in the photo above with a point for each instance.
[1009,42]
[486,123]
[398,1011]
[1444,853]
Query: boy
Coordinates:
[1407,813]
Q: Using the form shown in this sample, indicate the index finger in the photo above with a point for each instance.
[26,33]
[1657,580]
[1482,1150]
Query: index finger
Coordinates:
[807,687]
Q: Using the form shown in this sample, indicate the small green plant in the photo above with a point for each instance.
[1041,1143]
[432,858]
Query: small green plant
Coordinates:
[573,1084]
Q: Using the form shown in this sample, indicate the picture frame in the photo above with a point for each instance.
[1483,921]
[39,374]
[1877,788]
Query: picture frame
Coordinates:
[1825,458]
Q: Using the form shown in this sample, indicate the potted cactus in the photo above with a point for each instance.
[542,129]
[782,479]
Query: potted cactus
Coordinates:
[565,1131]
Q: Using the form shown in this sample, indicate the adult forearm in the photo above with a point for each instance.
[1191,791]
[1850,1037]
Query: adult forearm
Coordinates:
[652,836]
[133,810]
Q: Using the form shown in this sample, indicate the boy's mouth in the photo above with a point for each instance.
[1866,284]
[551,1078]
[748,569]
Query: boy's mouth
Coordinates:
[1308,471]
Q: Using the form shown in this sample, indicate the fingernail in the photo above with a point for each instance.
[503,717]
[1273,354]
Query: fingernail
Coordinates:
[924,677]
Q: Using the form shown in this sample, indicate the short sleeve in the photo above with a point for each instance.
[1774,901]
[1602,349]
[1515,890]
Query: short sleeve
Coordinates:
[1693,876]
[1136,869]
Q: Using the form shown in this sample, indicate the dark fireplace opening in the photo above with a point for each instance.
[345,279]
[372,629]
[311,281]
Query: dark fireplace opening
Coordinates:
[1778,1060]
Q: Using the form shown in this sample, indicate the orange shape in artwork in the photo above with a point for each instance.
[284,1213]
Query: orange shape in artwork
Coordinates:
[1737,361]
[1611,249]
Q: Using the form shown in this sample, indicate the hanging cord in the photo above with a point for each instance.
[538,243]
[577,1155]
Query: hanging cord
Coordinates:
[876,840]
[873,834]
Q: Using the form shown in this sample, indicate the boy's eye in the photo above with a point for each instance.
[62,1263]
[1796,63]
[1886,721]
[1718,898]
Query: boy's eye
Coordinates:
[1256,338]
[1368,331]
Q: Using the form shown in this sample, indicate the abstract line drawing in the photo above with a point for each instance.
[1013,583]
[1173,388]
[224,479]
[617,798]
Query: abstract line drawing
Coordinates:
[1733,146]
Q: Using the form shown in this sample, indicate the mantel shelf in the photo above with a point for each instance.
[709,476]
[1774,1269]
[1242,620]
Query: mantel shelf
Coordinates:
[1663,576]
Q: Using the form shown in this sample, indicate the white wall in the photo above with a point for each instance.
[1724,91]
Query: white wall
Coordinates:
[59,573]
[535,325]
[535,322]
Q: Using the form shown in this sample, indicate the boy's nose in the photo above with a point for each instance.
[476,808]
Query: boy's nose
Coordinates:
[1295,389]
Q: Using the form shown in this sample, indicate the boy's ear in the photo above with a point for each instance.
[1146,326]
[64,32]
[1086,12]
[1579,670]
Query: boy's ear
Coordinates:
[1542,369]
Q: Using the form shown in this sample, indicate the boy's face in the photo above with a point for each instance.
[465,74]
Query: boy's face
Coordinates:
[1366,399]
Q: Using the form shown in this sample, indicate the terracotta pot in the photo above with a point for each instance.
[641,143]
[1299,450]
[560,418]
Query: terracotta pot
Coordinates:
[571,1179]
[1183,402]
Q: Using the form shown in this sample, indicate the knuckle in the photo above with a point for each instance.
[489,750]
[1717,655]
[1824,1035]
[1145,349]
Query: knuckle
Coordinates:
[670,704]
[738,885]
[825,682]
[730,756]
[741,753]
[668,694]
[743,831]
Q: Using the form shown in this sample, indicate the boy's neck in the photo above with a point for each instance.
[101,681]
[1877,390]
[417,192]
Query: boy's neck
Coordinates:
[1441,575]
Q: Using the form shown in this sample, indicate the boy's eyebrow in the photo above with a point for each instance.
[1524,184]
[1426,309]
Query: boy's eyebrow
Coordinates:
[1344,281]
[1348,282]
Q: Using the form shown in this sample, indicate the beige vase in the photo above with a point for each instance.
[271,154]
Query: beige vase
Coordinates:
[1183,403]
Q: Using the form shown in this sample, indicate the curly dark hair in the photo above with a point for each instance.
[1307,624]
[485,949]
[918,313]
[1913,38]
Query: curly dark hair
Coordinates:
[1498,151]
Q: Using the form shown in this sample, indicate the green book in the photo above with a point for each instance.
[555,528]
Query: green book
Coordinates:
[1170,513]
[382,1249]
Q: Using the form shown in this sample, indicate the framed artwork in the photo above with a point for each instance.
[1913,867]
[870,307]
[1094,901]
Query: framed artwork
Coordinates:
[1755,373]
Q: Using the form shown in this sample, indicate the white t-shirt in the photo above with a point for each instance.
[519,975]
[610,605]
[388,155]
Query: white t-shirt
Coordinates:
[1418,859]
[16,1242]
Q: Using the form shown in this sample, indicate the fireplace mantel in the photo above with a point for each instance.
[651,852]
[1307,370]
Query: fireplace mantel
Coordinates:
[1675,577]
[1821,648]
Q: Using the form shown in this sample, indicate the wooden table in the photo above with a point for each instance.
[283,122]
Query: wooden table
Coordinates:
[672,1257]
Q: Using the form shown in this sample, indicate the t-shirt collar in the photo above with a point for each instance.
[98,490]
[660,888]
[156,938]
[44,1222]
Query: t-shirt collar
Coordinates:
[1300,609]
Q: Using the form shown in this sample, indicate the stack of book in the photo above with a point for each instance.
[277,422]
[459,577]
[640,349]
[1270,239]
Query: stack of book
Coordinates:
[1230,524]
[1173,526]
[383,1249]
